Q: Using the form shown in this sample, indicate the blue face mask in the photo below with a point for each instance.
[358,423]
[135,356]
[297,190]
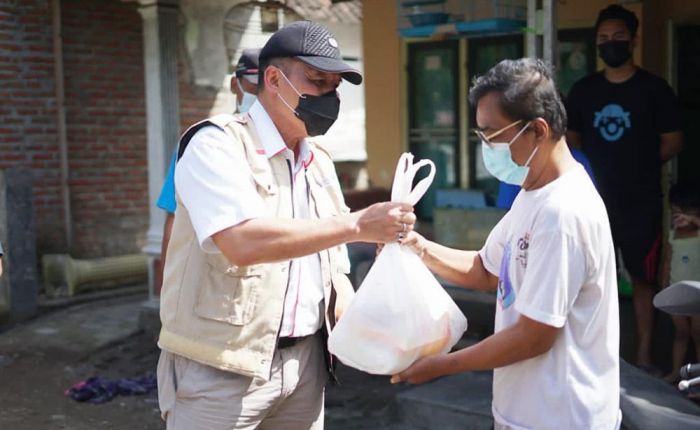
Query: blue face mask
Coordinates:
[248,99]
[499,161]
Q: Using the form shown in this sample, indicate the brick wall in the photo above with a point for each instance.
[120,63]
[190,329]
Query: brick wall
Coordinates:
[105,119]
[195,101]
[106,126]
[27,111]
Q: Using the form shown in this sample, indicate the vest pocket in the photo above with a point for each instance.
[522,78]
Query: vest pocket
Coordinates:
[229,293]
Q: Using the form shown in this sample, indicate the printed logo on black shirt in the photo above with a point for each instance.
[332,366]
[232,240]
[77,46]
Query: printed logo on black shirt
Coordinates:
[611,122]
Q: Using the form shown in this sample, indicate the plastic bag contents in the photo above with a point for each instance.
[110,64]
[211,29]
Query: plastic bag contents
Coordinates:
[400,312]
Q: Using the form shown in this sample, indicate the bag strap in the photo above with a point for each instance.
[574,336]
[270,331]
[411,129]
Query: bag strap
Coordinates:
[401,190]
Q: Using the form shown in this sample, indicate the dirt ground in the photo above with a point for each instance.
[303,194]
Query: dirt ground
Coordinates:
[32,385]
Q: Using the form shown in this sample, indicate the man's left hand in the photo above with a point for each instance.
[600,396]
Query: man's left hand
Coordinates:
[424,370]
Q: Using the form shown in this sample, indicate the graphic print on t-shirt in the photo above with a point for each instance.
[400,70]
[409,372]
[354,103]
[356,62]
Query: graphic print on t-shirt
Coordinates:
[523,245]
[612,121]
[506,295]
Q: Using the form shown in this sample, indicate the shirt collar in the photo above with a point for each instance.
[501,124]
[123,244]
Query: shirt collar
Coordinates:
[272,140]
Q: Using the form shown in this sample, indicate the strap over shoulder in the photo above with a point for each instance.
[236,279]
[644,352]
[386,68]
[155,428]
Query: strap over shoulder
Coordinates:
[220,121]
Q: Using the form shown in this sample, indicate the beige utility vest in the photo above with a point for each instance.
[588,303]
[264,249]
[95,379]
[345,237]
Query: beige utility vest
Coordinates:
[227,316]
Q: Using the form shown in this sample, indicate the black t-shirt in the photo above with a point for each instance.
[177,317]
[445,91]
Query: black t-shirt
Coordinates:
[620,125]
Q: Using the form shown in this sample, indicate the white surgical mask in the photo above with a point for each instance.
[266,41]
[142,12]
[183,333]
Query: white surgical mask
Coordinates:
[248,99]
[499,160]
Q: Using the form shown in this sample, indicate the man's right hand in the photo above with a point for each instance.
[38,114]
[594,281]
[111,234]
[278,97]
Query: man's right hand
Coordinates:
[384,222]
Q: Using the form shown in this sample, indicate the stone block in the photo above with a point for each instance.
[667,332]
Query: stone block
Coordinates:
[19,284]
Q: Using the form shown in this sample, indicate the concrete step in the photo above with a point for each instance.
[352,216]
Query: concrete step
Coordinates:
[454,402]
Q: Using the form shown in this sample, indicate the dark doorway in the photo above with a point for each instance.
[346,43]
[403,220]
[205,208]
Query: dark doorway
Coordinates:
[688,86]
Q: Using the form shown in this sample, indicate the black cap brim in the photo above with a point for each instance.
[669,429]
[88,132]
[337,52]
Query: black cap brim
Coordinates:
[333,65]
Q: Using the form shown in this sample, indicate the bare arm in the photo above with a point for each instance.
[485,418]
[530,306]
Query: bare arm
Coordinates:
[573,139]
[167,229]
[264,240]
[462,268]
[523,340]
[671,144]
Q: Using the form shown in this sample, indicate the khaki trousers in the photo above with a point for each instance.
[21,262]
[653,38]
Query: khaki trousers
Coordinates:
[193,396]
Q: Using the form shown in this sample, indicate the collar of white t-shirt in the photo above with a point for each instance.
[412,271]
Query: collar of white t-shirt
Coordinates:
[272,140]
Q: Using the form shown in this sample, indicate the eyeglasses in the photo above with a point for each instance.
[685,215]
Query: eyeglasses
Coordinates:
[487,139]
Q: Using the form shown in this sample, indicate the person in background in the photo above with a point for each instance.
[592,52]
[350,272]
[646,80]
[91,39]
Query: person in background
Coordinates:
[628,123]
[682,263]
[244,84]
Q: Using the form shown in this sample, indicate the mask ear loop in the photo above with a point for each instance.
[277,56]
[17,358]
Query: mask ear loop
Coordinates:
[240,88]
[527,163]
[295,90]
[290,84]
[522,130]
[287,104]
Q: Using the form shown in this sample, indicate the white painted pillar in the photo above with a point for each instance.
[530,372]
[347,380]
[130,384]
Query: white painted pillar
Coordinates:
[541,37]
[160,38]
[531,35]
[549,39]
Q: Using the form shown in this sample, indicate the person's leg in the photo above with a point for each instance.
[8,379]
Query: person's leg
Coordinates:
[640,254]
[636,231]
[680,346]
[304,380]
[211,399]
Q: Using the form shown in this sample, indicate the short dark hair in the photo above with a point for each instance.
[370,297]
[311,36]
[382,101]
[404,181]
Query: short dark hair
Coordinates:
[527,91]
[279,62]
[685,195]
[615,11]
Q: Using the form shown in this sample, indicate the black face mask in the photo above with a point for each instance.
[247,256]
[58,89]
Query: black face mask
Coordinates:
[615,53]
[318,113]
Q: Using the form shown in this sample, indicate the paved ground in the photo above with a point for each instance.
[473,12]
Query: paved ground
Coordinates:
[40,359]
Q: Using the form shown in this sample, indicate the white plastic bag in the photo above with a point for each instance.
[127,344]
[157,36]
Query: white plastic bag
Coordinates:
[400,312]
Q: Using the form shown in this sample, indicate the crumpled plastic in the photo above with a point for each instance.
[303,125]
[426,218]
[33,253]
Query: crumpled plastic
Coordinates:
[100,390]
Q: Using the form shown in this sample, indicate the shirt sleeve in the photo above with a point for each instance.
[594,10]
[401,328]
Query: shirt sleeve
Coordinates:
[166,200]
[492,252]
[215,185]
[667,114]
[574,121]
[1,250]
[555,273]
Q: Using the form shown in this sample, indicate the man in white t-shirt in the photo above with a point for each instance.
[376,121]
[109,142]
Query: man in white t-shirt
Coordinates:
[551,261]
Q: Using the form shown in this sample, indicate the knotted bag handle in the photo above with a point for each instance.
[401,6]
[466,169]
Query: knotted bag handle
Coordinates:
[403,179]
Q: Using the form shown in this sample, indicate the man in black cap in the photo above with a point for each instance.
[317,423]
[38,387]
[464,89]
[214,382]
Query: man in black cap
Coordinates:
[244,84]
[256,270]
